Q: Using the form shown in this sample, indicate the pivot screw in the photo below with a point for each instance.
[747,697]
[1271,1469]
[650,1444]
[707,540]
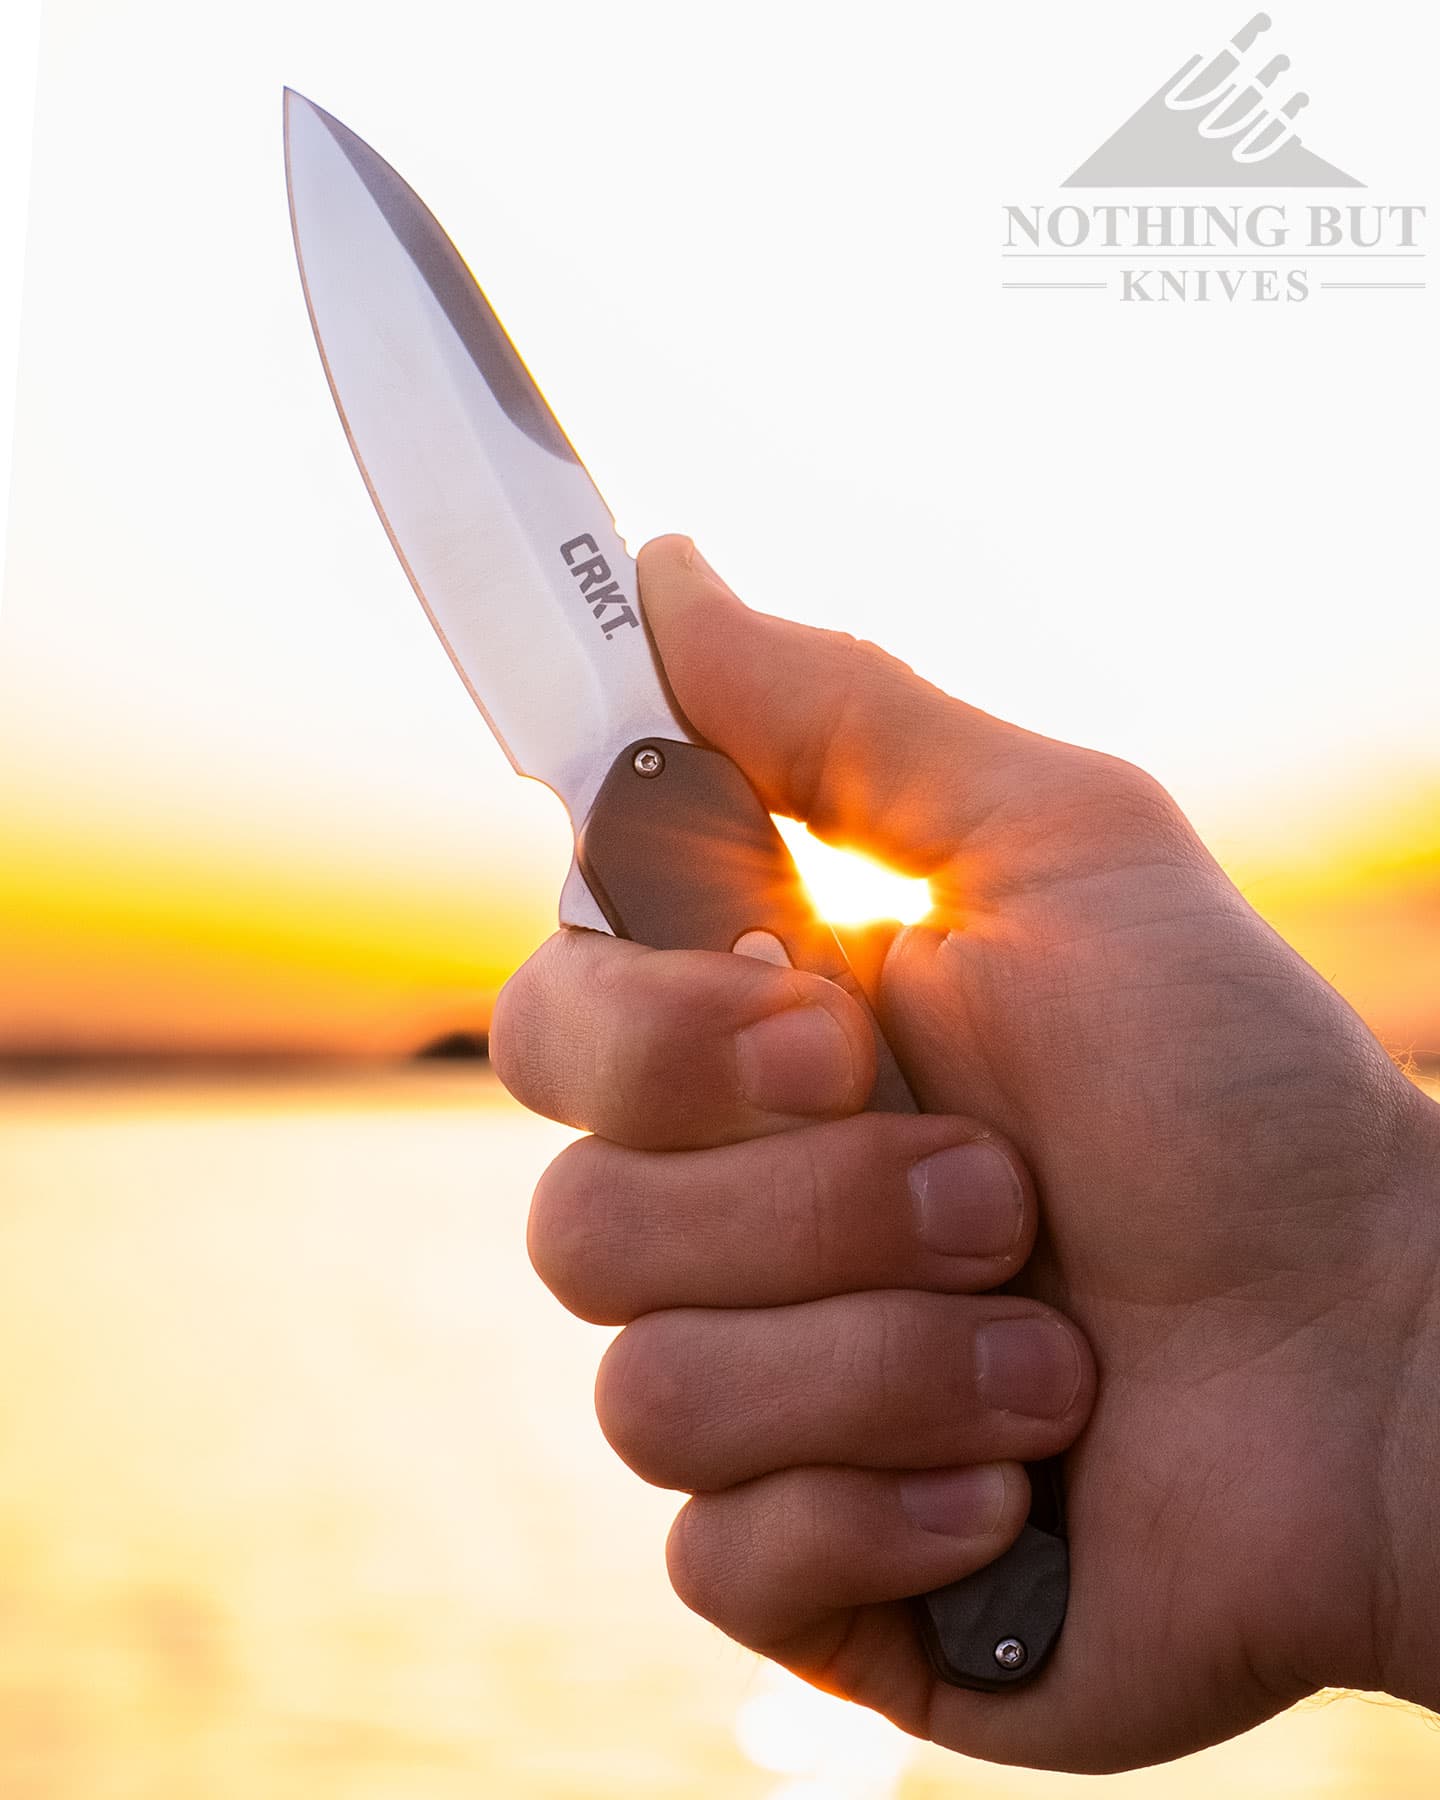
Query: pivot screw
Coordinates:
[1010,1653]
[648,762]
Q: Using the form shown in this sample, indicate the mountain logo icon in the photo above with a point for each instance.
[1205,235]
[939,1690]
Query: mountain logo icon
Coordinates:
[1214,125]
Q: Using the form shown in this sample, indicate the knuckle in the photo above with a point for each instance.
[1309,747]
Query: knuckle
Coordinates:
[527,1052]
[1100,808]
[673,1005]
[1135,790]
[644,1402]
[1128,799]
[819,1209]
[893,1360]
[700,1558]
[730,1559]
[571,1234]
[508,1030]
[864,681]
[801,1223]
[921,1380]
[753,1559]
[662,1064]
[610,979]
[799,1540]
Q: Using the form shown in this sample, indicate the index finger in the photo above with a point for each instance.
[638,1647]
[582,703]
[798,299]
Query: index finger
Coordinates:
[677,1049]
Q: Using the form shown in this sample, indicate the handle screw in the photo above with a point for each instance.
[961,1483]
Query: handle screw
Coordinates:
[648,762]
[1010,1653]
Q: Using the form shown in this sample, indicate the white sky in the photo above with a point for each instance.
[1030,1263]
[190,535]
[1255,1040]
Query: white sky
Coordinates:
[19,51]
[751,251]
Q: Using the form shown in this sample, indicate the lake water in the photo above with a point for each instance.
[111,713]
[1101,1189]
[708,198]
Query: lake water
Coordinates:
[301,1497]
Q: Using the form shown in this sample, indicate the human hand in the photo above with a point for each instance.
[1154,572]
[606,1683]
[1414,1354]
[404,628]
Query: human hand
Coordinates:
[1238,1195]
[802,1352]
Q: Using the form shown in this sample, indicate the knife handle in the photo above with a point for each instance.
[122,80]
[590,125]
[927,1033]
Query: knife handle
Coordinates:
[680,854]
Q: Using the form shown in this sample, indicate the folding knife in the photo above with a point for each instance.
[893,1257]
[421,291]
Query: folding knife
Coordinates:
[516,559]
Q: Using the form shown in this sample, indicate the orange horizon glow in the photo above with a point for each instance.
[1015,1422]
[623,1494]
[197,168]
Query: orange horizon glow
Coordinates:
[173,946]
[146,941]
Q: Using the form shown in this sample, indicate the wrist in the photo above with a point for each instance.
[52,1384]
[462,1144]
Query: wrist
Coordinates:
[1407,1607]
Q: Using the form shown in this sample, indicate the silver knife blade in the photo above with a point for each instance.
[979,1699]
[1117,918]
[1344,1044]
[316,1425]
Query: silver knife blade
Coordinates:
[506,540]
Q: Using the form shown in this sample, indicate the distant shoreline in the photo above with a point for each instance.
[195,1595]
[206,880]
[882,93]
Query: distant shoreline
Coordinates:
[39,1061]
[458,1051]
[43,1068]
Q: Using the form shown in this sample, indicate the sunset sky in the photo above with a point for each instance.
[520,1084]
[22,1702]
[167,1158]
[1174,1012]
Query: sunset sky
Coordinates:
[243,799]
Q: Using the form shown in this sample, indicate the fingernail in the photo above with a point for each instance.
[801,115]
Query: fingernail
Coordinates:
[796,1061]
[955,1502]
[967,1201]
[1028,1366]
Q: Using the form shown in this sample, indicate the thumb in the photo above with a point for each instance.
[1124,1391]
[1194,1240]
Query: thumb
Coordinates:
[829,729]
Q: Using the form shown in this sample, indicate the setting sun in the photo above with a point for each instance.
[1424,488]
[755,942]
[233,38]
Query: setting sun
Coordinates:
[850,889]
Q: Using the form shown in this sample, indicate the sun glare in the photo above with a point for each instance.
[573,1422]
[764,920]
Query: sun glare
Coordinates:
[850,889]
[830,1749]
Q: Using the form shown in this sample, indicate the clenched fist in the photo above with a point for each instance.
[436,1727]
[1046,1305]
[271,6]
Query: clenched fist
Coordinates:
[1238,1194]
